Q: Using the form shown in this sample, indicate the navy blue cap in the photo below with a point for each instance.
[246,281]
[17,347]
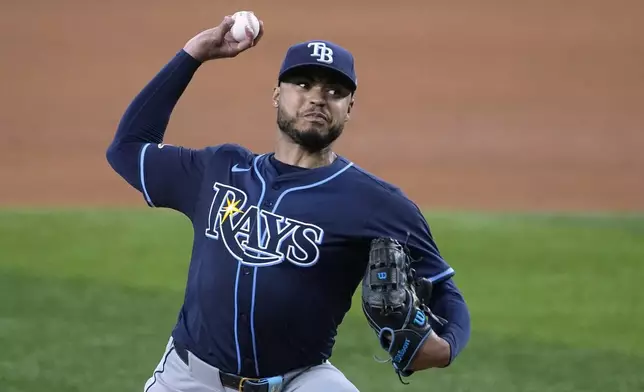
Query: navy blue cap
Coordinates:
[322,54]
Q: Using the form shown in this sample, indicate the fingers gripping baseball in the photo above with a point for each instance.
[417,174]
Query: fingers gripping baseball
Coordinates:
[219,42]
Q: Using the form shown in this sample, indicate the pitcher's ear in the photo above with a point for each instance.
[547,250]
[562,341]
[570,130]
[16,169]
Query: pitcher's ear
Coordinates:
[349,110]
[276,96]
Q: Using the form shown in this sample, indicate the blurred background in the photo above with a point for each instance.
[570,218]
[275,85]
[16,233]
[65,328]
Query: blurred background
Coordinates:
[516,125]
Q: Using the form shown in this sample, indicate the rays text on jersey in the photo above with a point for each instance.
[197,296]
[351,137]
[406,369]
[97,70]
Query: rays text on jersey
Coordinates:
[260,237]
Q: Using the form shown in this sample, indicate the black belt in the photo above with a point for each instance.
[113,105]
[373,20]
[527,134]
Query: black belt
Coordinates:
[233,381]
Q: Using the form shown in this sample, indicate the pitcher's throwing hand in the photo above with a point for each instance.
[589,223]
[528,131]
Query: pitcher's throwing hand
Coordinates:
[218,42]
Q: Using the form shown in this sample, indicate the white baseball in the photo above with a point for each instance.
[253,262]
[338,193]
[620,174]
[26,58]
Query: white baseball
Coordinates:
[244,19]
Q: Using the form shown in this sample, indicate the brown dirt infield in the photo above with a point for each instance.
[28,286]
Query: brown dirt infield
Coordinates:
[496,105]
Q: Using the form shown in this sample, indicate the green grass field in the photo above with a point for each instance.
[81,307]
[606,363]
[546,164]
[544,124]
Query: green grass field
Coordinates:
[88,299]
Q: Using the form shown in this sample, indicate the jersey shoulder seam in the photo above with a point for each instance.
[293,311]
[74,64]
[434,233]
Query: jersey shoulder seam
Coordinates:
[383,184]
[232,148]
[389,192]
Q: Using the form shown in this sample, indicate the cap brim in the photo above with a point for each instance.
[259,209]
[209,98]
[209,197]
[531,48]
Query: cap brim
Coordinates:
[346,78]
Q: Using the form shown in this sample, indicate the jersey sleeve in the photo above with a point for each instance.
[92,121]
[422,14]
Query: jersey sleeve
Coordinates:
[403,221]
[167,176]
[171,176]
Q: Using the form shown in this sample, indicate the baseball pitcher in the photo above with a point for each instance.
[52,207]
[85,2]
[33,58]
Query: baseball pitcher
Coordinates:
[282,240]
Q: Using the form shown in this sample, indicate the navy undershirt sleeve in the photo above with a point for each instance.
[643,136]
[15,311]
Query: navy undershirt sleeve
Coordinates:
[166,175]
[448,303]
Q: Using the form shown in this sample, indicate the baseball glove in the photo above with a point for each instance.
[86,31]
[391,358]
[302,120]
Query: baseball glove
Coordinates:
[395,303]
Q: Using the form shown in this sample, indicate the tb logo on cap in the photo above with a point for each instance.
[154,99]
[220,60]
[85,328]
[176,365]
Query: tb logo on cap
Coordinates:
[322,52]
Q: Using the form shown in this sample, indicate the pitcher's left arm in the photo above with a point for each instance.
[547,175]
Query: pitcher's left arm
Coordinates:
[443,346]
[411,300]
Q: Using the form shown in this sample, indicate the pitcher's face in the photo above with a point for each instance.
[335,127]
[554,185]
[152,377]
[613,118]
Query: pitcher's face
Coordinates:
[313,106]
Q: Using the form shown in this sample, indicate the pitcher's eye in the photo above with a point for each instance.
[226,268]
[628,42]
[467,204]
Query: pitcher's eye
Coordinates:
[338,92]
[303,84]
[300,82]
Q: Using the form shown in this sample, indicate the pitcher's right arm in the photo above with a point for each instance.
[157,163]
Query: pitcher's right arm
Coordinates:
[166,175]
